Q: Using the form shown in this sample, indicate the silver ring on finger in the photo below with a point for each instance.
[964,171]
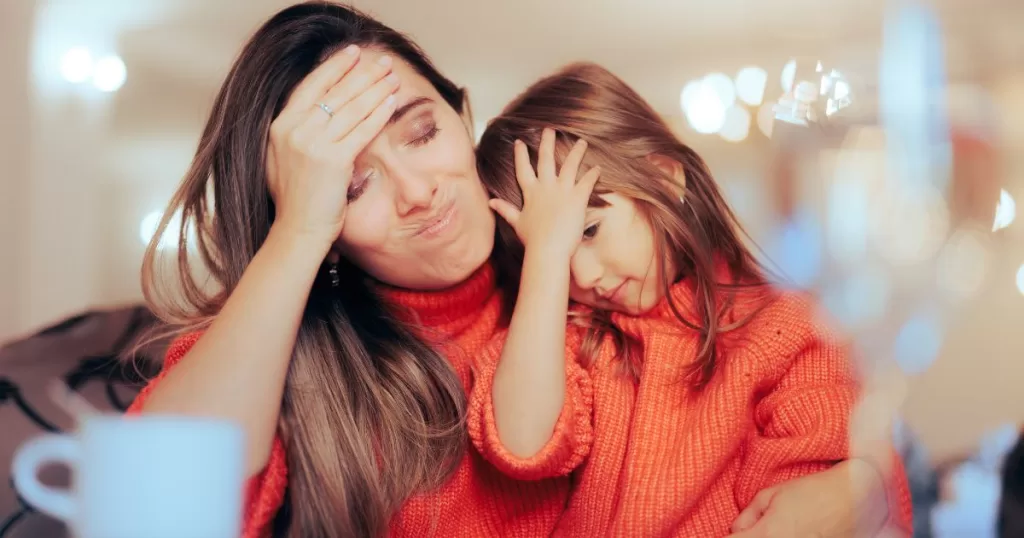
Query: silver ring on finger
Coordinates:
[327,110]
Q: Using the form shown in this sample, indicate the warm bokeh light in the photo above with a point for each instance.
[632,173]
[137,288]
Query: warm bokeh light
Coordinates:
[788,75]
[109,74]
[703,106]
[736,125]
[1006,211]
[963,263]
[77,65]
[909,223]
[750,85]
[766,119]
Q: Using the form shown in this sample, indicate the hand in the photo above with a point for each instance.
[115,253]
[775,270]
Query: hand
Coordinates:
[554,204]
[846,501]
[311,155]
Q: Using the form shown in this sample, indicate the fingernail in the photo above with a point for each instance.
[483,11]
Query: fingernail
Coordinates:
[392,79]
[518,142]
[351,50]
[390,100]
[384,60]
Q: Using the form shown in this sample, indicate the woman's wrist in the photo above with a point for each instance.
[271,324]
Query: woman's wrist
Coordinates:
[869,479]
[299,242]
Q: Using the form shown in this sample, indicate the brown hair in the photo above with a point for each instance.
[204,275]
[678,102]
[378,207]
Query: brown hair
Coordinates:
[362,390]
[694,228]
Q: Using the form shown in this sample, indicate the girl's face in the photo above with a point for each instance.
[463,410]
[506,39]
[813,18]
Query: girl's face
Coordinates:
[614,268]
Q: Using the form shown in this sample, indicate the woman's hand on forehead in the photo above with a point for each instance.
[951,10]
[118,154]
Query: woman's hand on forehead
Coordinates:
[332,115]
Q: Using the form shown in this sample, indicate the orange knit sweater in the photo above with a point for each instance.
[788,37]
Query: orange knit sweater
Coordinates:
[657,458]
[479,500]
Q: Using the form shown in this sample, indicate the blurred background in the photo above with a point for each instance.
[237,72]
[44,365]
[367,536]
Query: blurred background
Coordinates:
[872,149]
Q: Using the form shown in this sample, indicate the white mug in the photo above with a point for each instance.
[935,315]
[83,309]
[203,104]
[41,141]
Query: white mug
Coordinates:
[146,476]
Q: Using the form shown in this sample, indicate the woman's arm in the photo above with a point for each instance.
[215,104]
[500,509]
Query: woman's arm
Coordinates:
[237,369]
[264,491]
[850,499]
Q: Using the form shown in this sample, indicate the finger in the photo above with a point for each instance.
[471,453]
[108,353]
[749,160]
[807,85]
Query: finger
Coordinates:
[546,156]
[506,211]
[349,116]
[571,165]
[746,521]
[750,533]
[524,170]
[360,136]
[320,80]
[362,77]
[754,511]
[585,185]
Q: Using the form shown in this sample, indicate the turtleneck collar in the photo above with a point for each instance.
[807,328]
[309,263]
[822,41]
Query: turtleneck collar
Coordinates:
[449,310]
[683,296]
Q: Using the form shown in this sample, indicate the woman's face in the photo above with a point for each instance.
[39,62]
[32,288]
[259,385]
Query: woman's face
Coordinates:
[418,217]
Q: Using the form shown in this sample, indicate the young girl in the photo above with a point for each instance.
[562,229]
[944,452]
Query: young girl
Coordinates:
[685,383]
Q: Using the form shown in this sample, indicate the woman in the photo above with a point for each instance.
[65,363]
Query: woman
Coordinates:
[340,214]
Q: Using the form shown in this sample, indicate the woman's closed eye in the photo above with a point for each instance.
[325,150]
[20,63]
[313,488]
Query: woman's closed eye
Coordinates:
[359,183]
[423,132]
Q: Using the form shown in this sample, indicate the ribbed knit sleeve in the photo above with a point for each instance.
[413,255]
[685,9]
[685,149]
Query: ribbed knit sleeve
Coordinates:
[264,491]
[803,417]
[573,435]
[802,420]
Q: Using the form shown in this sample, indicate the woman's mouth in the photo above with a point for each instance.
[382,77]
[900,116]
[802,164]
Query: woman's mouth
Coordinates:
[439,223]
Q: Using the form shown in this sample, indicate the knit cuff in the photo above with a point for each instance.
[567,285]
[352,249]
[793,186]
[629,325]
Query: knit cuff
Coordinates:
[570,441]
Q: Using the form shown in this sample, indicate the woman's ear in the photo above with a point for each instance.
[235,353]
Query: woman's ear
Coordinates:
[669,166]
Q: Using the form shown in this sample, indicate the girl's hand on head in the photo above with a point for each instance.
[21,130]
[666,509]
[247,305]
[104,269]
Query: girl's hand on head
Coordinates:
[331,116]
[554,203]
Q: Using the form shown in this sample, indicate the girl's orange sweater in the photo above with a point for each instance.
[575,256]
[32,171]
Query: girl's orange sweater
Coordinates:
[658,458]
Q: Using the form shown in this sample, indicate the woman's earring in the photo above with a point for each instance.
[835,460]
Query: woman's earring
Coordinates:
[335,279]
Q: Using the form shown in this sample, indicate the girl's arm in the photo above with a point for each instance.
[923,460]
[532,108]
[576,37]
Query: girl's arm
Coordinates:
[529,384]
[569,441]
[811,419]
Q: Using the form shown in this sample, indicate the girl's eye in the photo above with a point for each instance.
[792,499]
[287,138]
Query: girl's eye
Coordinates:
[590,231]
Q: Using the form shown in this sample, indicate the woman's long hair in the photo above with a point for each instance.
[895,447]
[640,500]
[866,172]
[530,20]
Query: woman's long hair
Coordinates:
[371,415]
[695,231]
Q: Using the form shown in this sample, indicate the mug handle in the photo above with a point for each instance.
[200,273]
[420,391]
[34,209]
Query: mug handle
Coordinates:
[30,457]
